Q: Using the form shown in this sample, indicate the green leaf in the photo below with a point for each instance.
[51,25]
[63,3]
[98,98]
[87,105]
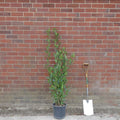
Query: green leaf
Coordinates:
[73,55]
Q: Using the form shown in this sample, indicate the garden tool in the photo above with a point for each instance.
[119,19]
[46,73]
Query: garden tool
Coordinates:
[87,104]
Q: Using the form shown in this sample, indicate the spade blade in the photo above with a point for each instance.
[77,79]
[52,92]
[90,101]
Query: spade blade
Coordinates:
[88,107]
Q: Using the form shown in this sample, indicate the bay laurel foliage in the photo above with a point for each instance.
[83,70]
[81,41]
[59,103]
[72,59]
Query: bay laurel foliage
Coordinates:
[58,64]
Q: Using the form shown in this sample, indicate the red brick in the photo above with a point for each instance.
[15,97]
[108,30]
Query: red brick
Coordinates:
[37,5]
[23,1]
[1,9]
[79,19]
[102,28]
[32,32]
[109,15]
[71,15]
[116,24]
[61,5]
[42,19]
[91,1]
[79,1]
[28,14]
[10,9]
[34,36]
[2,36]
[117,33]
[38,14]
[116,50]
[97,5]
[32,1]
[107,24]
[48,5]
[11,19]
[114,10]
[29,41]
[85,15]
[17,32]
[73,5]
[91,10]
[78,10]
[114,19]
[61,14]
[66,28]
[103,10]
[66,10]
[2,18]
[23,45]
[114,1]
[54,1]
[109,5]
[27,5]
[50,14]
[118,6]
[23,19]
[17,14]
[66,1]
[5,32]
[12,36]
[97,15]
[32,9]
[48,24]
[102,19]
[16,5]
[103,1]
[54,10]
[10,0]
[42,1]
[90,19]
[2,0]
[6,82]
[42,10]
[23,9]
[4,5]
[85,5]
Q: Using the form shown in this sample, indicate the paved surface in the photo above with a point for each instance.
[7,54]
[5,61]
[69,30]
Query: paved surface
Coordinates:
[73,117]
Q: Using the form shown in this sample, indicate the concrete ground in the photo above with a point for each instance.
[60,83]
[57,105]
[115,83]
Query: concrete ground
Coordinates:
[72,117]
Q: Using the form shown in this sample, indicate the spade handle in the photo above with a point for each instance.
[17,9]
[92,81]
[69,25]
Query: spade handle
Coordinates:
[87,85]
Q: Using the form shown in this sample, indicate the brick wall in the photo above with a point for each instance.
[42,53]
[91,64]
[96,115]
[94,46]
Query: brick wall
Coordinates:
[88,28]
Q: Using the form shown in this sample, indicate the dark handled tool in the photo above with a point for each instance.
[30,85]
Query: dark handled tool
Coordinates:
[87,104]
[85,67]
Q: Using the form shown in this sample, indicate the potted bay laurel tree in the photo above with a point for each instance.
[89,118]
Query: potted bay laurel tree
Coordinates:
[58,64]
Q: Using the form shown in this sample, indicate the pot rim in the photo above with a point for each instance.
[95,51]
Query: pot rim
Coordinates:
[59,105]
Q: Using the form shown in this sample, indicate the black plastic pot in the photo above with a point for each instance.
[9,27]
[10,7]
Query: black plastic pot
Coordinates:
[59,111]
